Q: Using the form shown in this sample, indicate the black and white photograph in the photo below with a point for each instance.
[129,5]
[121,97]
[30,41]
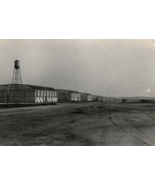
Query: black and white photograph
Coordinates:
[77,92]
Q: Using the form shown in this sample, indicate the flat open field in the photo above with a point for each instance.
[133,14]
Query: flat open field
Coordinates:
[78,124]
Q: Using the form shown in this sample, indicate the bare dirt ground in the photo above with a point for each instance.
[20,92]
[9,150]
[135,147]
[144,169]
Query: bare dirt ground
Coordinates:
[81,124]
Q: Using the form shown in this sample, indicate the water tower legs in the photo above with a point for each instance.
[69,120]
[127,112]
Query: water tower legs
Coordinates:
[17,79]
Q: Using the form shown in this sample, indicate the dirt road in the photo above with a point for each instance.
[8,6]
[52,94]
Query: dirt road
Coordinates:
[88,124]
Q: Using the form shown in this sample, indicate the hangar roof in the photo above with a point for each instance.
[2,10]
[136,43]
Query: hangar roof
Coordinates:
[85,93]
[67,91]
[24,87]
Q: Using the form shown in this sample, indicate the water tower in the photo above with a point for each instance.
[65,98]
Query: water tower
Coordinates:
[17,79]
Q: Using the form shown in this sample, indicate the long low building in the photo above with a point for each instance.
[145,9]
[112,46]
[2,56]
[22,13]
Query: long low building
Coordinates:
[73,96]
[68,96]
[110,99]
[100,98]
[86,97]
[20,93]
[95,98]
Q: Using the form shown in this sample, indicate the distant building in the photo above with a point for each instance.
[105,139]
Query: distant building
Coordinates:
[86,97]
[68,96]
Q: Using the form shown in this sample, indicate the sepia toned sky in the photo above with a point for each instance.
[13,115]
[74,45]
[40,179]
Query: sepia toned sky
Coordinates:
[100,67]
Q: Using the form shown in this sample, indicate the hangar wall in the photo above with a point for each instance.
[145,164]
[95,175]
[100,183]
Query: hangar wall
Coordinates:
[83,97]
[95,98]
[68,96]
[86,97]
[19,93]
[100,98]
[45,96]
[18,96]
[75,96]
[64,96]
[89,97]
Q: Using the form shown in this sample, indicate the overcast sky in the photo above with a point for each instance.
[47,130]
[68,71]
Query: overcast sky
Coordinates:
[100,67]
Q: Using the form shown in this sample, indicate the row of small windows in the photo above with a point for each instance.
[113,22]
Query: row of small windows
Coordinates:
[43,93]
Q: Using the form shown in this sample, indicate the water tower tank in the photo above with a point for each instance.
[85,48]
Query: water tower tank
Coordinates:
[17,64]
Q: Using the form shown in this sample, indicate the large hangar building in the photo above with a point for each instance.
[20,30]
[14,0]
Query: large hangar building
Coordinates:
[20,93]
[73,96]
[86,97]
[68,96]
[100,98]
[95,98]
